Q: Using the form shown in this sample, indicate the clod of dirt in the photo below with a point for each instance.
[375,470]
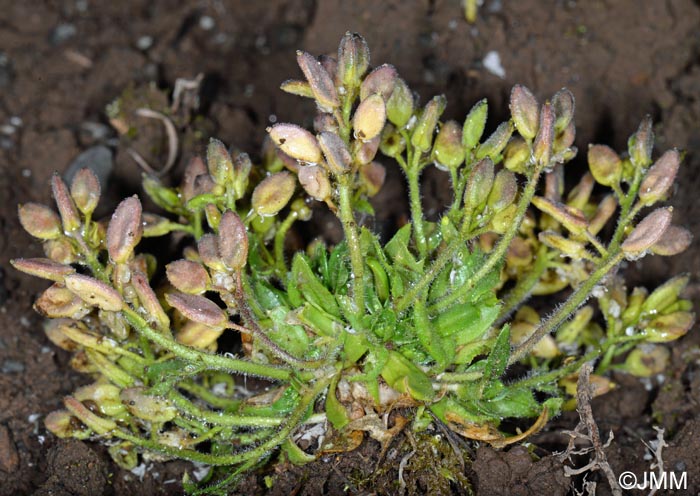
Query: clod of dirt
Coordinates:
[74,469]
[514,472]
[9,458]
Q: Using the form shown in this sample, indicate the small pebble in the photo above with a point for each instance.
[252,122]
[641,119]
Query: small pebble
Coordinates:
[492,63]
[206,23]
[144,43]
[62,32]
[12,366]
[98,159]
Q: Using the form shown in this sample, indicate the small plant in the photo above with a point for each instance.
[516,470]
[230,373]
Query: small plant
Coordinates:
[427,323]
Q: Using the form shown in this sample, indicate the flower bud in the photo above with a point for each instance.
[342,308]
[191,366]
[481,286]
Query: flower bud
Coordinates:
[365,151]
[273,193]
[338,157]
[353,59]
[381,80]
[448,150]
[503,192]
[542,146]
[422,137]
[675,240]
[606,209]
[647,360]
[648,232]
[43,267]
[641,143]
[197,309]
[98,424]
[219,162]
[315,182]
[188,276]
[516,156]
[95,292]
[296,87]
[503,220]
[563,104]
[233,241]
[659,180]
[495,143]
[198,335]
[296,142]
[85,190]
[125,229]
[39,221]
[479,184]
[153,310]
[147,407]
[634,305]
[59,302]
[605,164]
[302,210]
[525,111]
[320,81]
[571,218]
[69,213]
[474,124]
[372,176]
[369,118]
[568,247]
[669,327]
[399,106]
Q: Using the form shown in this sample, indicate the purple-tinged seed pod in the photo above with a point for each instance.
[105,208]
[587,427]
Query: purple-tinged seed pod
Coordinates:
[39,221]
[43,267]
[319,79]
[314,180]
[524,109]
[124,230]
[58,301]
[69,212]
[208,249]
[660,178]
[369,118]
[85,190]
[641,143]
[219,162]
[233,241]
[648,232]
[273,193]
[365,151]
[675,240]
[338,157]
[195,168]
[149,301]
[381,80]
[542,146]
[564,105]
[94,292]
[372,176]
[197,309]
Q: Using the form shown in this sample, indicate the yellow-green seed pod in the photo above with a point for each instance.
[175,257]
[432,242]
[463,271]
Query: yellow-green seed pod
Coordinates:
[315,182]
[605,164]
[647,360]
[273,193]
[448,151]
[474,124]
[40,221]
[369,118]
[571,218]
[525,111]
[94,292]
[669,327]
[399,106]
[296,142]
[337,155]
[516,156]
[422,137]
[146,407]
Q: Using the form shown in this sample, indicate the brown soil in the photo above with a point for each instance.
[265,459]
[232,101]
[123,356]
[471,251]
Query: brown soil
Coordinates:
[62,61]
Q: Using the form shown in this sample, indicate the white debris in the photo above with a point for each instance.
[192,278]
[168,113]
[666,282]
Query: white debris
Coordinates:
[492,63]
[201,471]
[139,471]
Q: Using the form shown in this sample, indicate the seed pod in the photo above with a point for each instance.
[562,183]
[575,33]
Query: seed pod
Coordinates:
[296,87]
[338,157]
[571,331]
[381,80]
[195,168]
[563,104]
[69,212]
[519,253]
[147,407]
[149,301]
[568,247]
[571,218]
[503,192]
[516,156]
[675,240]
[319,80]
[503,220]
[95,292]
[353,59]
[563,142]
[59,302]
[197,309]
[205,184]
[233,241]
[581,193]
[665,295]
[448,150]
[39,221]
[85,190]
[315,182]
[62,424]
[542,146]
[219,162]
[198,335]
[208,249]
[325,123]
[606,209]
[605,164]
[422,137]
[641,143]
[554,183]
[524,109]
[273,193]
[104,396]
[330,65]
[479,184]
[296,142]
[669,327]
[125,230]
[43,267]
[399,106]
[474,124]
[647,360]
[365,151]
[372,176]
[369,118]
[60,251]
[188,276]
[54,330]
[98,424]
[659,180]
[495,143]
[648,232]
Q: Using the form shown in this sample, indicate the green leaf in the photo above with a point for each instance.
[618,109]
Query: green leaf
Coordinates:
[466,323]
[313,291]
[166,198]
[364,207]
[319,321]
[335,412]
[397,249]
[441,350]
[292,338]
[469,351]
[295,454]
[404,376]
[355,347]
[510,402]
[497,361]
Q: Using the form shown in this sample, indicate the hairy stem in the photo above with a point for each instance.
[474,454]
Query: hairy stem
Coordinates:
[347,218]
